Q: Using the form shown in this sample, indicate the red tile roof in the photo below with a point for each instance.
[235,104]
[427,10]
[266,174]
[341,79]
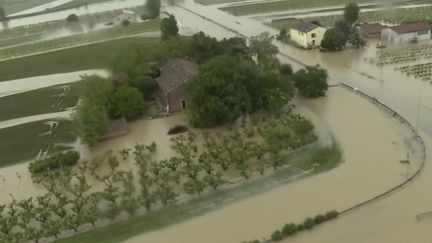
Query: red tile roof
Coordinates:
[174,72]
[372,28]
[408,28]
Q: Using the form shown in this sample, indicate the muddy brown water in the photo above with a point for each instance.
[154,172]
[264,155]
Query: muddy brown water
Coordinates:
[372,145]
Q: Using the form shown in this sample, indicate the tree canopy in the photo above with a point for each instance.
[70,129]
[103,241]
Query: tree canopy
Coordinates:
[169,27]
[2,13]
[90,122]
[351,12]
[264,51]
[311,81]
[153,7]
[127,102]
[333,40]
[229,86]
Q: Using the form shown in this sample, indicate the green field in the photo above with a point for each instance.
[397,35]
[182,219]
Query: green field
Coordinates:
[23,142]
[95,56]
[302,160]
[266,7]
[13,6]
[41,101]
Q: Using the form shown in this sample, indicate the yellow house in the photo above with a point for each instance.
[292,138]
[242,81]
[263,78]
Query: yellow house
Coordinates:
[307,35]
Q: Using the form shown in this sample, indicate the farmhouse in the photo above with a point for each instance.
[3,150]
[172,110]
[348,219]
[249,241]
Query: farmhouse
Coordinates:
[120,16]
[371,31]
[406,33]
[172,83]
[307,35]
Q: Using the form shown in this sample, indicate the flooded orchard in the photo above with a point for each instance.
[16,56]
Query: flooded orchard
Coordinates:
[372,146]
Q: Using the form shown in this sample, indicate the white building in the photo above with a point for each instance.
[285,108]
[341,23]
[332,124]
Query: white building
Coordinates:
[406,33]
[122,15]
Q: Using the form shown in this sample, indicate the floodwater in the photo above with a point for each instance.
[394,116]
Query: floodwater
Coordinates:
[373,146]
[26,84]
[23,120]
[41,7]
[90,9]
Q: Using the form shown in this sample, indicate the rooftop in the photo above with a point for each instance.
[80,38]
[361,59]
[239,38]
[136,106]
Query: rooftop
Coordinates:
[372,28]
[174,72]
[304,26]
[118,12]
[408,28]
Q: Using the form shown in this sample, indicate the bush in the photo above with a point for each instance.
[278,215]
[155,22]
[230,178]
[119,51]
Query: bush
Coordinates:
[177,129]
[319,219]
[309,223]
[286,69]
[72,18]
[56,161]
[331,214]
[276,236]
[300,227]
[125,22]
[289,229]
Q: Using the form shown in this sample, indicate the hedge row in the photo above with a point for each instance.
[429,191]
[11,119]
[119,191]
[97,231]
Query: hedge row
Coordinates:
[68,158]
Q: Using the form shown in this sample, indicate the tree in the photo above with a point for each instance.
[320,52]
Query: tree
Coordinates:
[127,102]
[351,12]
[356,40]
[311,81]
[96,91]
[169,27]
[262,48]
[146,86]
[72,18]
[2,13]
[344,27]
[333,40]
[286,69]
[203,47]
[90,122]
[283,34]
[153,7]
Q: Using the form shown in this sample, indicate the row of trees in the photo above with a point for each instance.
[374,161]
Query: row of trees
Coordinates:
[344,31]
[99,190]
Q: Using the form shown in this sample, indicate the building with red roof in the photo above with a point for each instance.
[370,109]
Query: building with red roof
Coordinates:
[405,33]
[371,30]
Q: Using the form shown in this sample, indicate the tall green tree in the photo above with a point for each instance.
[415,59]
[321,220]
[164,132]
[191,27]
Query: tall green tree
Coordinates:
[333,40]
[127,102]
[311,81]
[351,12]
[153,7]
[264,51]
[203,47]
[356,40]
[146,85]
[2,13]
[169,27]
[96,91]
[90,122]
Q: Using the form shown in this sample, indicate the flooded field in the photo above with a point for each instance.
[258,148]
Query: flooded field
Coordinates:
[362,175]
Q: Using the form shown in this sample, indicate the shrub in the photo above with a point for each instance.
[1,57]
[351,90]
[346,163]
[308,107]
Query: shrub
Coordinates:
[72,18]
[286,69]
[319,219]
[177,129]
[125,22]
[289,229]
[309,223]
[331,214]
[300,227]
[277,236]
[56,161]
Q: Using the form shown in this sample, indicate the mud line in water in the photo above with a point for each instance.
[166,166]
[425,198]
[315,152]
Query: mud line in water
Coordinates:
[359,177]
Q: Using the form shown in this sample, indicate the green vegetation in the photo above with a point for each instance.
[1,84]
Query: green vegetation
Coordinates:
[127,102]
[2,13]
[13,6]
[333,40]
[265,7]
[210,2]
[46,100]
[72,18]
[169,27]
[80,39]
[153,7]
[35,137]
[53,162]
[311,81]
[94,56]
[351,13]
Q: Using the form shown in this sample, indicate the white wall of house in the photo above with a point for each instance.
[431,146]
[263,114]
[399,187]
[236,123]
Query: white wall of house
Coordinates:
[118,20]
[391,36]
[310,39]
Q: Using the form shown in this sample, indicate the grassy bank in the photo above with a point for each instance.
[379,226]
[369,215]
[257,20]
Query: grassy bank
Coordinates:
[46,100]
[327,158]
[24,142]
[95,56]
[267,7]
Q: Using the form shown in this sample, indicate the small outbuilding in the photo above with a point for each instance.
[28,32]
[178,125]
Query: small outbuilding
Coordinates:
[172,83]
[115,128]
[406,33]
[370,30]
[120,16]
[307,35]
